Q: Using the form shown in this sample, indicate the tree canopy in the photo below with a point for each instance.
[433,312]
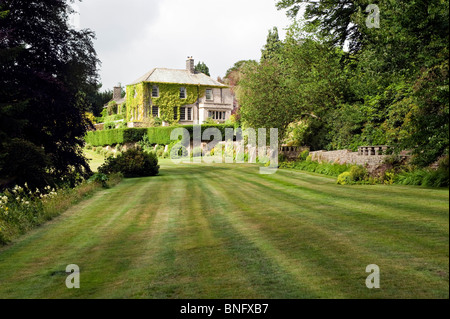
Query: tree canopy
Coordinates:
[341,84]
[203,68]
[46,71]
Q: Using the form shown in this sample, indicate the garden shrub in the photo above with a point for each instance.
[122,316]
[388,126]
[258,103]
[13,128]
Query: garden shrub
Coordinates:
[345,179]
[330,169]
[388,177]
[424,177]
[99,178]
[160,153]
[303,155]
[358,173]
[132,163]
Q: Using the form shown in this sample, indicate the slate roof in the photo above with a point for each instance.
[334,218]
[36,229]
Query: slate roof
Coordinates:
[161,75]
[118,101]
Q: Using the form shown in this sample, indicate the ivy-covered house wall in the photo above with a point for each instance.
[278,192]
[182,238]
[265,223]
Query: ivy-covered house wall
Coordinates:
[140,100]
[137,109]
[169,101]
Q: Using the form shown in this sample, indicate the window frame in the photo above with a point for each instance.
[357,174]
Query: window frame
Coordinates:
[157,107]
[183,113]
[157,90]
[187,113]
[212,95]
[183,89]
[217,115]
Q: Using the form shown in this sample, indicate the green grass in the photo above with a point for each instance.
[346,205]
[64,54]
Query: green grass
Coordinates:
[94,160]
[225,231]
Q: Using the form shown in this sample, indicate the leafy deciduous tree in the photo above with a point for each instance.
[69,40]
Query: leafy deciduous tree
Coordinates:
[46,68]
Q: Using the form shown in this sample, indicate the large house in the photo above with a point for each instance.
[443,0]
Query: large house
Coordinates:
[178,96]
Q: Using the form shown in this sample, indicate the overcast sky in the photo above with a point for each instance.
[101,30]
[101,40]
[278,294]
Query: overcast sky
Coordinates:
[134,36]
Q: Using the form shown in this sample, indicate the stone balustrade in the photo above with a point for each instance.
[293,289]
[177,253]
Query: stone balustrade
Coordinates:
[372,150]
[369,156]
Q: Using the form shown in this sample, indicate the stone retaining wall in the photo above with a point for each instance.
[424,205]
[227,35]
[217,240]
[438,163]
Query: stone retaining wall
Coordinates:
[349,157]
[368,156]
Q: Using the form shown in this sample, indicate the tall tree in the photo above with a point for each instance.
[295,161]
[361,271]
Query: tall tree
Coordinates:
[303,83]
[203,68]
[333,18]
[273,45]
[397,74]
[45,71]
[265,99]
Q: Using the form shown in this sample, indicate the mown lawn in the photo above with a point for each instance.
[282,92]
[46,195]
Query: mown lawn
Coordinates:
[224,231]
[95,160]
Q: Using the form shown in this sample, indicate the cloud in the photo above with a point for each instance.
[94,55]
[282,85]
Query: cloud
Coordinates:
[117,22]
[138,35]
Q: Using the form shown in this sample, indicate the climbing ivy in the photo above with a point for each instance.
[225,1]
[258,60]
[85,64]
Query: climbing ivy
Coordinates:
[136,97]
[169,99]
[139,100]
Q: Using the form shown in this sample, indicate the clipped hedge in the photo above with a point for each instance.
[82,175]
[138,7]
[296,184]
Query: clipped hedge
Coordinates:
[107,137]
[157,135]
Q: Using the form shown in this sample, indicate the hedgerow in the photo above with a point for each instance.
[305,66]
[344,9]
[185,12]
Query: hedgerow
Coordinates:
[156,135]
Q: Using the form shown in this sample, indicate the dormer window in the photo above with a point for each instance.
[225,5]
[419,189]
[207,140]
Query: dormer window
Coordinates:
[182,93]
[209,94]
[155,91]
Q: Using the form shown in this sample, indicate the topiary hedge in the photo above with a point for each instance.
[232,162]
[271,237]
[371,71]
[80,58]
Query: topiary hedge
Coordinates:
[157,135]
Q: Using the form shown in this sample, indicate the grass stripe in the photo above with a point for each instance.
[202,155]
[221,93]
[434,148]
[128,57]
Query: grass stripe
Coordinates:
[225,231]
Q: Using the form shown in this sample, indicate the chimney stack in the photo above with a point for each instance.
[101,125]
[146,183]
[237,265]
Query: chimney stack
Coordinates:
[190,65]
[117,93]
